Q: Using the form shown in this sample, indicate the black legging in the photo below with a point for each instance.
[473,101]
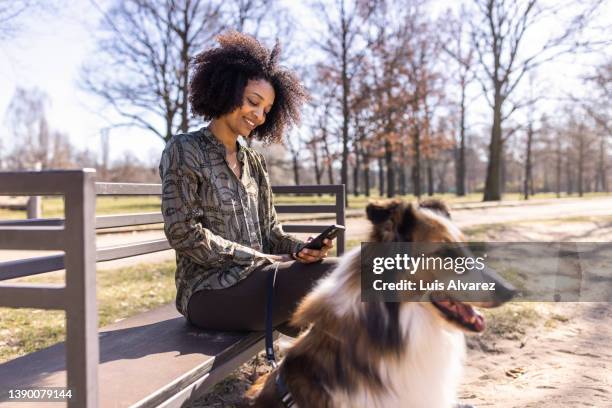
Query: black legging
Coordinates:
[243,306]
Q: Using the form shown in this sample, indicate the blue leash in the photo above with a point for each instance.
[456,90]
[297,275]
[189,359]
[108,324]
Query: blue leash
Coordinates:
[270,285]
[283,392]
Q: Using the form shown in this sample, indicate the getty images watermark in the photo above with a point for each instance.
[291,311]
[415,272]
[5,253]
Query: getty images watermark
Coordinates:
[536,271]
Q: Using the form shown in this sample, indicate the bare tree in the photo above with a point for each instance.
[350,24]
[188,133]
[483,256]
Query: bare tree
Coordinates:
[323,129]
[36,145]
[141,68]
[12,13]
[313,146]
[398,71]
[528,179]
[498,32]
[461,51]
[247,15]
[388,54]
[422,73]
[294,145]
[558,166]
[598,104]
[27,121]
[105,145]
[340,44]
[145,47]
[11,10]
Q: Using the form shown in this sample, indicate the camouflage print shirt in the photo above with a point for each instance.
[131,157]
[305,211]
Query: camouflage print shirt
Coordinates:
[213,220]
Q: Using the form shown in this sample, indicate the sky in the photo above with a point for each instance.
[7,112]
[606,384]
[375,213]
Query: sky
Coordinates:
[48,54]
[49,50]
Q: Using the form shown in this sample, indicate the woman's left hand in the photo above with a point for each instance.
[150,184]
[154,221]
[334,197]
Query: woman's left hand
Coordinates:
[307,255]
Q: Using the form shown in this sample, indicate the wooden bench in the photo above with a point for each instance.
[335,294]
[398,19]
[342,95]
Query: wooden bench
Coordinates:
[151,359]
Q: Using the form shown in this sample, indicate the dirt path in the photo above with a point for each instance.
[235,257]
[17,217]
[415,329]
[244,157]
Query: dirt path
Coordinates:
[564,361]
[599,208]
[563,358]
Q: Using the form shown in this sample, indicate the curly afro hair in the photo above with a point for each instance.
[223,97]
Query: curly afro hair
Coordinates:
[220,75]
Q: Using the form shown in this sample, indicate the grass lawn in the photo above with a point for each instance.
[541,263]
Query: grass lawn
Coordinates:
[53,207]
[359,202]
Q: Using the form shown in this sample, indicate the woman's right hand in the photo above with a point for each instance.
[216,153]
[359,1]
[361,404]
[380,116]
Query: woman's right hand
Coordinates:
[276,258]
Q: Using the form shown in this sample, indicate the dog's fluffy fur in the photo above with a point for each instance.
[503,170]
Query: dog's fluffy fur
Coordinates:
[357,354]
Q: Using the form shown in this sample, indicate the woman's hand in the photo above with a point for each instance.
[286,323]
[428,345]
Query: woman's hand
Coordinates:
[276,258]
[307,255]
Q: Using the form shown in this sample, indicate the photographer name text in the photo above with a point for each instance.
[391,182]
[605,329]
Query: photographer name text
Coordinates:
[407,285]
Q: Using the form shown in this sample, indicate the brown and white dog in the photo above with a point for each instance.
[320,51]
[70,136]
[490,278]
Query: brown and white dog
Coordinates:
[378,354]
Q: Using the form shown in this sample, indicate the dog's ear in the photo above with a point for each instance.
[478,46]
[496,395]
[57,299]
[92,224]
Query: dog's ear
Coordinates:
[379,212]
[408,222]
[436,205]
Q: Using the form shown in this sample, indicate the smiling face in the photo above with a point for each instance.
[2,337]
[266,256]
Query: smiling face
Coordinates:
[257,101]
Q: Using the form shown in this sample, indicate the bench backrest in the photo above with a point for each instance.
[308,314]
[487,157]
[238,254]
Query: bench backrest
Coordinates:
[75,235]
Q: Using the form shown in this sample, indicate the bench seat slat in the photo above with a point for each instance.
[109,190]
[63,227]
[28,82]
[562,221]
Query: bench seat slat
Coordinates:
[144,360]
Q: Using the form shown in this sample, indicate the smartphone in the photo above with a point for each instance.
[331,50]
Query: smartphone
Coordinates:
[330,233]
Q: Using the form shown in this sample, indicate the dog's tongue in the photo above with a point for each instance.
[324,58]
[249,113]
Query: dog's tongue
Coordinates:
[471,316]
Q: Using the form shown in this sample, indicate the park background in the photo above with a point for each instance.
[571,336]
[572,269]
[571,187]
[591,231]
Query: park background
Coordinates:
[416,97]
[503,111]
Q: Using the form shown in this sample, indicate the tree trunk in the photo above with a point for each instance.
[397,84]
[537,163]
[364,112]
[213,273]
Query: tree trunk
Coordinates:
[356,171]
[527,180]
[568,172]
[184,75]
[493,188]
[442,188]
[460,169]
[169,130]
[581,166]
[345,95]
[328,158]
[503,172]
[315,157]
[601,165]
[316,164]
[430,178]
[416,167]
[402,172]
[366,174]
[546,186]
[296,170]
[330,172]
[559,168]
[390,169]
[381,177]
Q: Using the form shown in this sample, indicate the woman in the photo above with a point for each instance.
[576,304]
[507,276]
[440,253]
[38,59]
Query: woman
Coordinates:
[217,200]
